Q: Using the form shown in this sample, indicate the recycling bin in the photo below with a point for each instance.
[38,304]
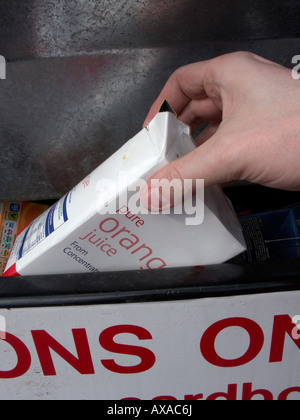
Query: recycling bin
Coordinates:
[200,333]
[80,78]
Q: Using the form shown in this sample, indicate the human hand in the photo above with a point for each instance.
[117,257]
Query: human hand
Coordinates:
[253,107]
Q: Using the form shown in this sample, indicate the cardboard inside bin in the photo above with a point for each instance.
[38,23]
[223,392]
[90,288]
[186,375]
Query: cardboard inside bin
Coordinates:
[14,218]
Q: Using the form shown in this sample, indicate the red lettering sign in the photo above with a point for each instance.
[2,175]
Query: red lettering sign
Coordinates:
[23,355]
[106,340]
[207,344]
[44,342]
[283,325]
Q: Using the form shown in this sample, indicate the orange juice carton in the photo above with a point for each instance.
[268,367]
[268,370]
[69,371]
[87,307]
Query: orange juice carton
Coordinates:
[101,225]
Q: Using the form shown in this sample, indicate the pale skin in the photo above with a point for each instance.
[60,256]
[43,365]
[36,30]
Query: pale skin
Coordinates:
[253,107]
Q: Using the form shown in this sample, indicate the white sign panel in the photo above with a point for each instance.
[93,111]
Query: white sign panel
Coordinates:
[243,347]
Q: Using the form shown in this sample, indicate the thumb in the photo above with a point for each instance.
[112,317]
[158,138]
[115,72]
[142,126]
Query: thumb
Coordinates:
[178,179]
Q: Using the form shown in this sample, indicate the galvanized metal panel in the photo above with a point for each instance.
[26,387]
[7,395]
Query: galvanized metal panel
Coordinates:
[81,76]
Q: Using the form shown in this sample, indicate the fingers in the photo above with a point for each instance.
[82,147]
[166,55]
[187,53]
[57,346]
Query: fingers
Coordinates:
[196,112]
[200,111]
[187,84]
[194,96]
[199,87]
[208,162]
[173,94]
[200,92]
[238,95]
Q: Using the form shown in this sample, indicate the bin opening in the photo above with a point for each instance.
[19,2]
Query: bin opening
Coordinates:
[227,279]
[270,221]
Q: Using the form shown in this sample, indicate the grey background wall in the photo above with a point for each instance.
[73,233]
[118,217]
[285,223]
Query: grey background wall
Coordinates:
[81,75]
